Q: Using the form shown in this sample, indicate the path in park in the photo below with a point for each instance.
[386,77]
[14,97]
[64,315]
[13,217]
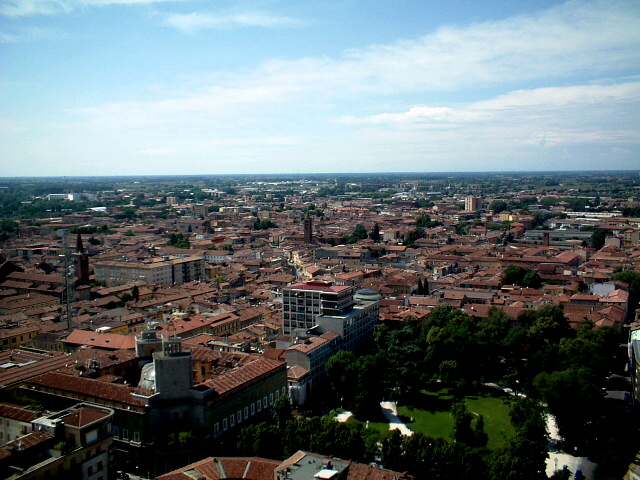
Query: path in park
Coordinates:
[390,411]
[343,417]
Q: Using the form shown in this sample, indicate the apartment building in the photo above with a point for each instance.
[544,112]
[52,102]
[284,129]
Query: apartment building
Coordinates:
[163,271]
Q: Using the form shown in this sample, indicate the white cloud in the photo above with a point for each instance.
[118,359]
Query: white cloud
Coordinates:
[30,34]
[27,8]
[191,22]
[524,104]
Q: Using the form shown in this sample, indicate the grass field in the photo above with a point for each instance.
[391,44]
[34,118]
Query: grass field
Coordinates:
[431,416]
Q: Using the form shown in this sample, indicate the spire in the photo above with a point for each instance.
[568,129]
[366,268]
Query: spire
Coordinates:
[79,245]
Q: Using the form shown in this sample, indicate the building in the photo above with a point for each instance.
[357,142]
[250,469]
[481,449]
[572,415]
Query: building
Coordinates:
[309,466]
[300,466]
[82,263]
[199,210]
[15,422]
[203,391]
[303,303]
[330,308]
[324,319]
[472,204]
[163,270]
[73,443]
[308,229]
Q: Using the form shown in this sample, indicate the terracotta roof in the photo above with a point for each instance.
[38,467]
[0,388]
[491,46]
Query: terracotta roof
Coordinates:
[243,374]
[17,413]
[27,441]
[86,387]
[84,416]
[220,468]
[109,341]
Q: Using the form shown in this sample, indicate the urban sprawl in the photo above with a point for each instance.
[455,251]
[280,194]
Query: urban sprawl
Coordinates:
[389,326]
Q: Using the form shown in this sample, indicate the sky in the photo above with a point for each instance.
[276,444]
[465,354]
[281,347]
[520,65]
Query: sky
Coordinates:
[187,87]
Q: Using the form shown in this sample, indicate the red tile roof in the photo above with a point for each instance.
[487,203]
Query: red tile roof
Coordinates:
[84,416]
[251,468]
[86,387]
[109,341]
[17,413]
[237,377]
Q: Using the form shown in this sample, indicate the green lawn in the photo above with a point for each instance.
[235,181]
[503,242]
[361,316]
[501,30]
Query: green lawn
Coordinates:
[431,415]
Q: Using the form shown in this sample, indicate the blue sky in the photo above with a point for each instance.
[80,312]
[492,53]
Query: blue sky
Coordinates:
[131,87]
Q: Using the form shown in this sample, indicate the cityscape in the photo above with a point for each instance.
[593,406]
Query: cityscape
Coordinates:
[356,240]
[400,326]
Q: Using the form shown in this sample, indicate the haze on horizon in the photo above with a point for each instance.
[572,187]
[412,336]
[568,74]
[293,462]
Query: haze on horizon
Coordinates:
[162,87]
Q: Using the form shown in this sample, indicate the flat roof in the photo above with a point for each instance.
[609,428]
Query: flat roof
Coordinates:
[320,287]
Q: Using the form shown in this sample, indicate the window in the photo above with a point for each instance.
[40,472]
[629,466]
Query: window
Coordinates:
[239,416]
[225,426]
[277,395]
[116,433]
[232,420]
[259,405]
[253,409]
[246,412]
[264,402]
[125,434]
[271,399]
[136,437]
[284,390]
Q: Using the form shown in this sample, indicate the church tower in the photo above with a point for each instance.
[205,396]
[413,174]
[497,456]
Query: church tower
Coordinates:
[82,262]
[308,229]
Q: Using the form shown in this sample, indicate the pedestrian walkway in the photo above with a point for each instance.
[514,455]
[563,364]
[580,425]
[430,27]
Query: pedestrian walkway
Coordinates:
[390,411]
[343,417]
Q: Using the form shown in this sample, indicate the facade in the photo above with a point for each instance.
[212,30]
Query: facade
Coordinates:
[323,320]
[303,303]
[472,204]
[200,210]
[207,392]
[73,443]
[15,422]
[162,271]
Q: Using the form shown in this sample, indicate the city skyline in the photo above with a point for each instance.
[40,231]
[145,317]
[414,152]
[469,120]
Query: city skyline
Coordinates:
[152,87]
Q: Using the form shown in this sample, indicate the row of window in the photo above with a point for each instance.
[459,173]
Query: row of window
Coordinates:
[125,435]
[243,414]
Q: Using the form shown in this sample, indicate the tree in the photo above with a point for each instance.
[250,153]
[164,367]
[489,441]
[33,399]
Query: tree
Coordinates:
[375,233]
[343,377]
[392,451]
[424,221]
[598,237]
[282,412]
[531,279]
[525,456]
[498,206]
[135,293]
[359,233]
[462,431]
[413,235]
[480,437]
[513,275]
[264,224]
